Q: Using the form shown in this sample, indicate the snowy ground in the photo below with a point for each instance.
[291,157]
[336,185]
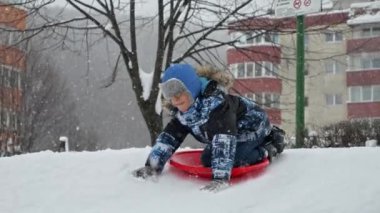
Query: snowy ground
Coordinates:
[304,180]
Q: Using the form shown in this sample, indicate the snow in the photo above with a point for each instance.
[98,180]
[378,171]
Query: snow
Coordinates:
[327,4]
[158,105]
[370,4]
[146,81]
[365,19]
[369,16]
[302,180]
[371,143]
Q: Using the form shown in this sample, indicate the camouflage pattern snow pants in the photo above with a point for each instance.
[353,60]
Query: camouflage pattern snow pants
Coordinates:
[247,153]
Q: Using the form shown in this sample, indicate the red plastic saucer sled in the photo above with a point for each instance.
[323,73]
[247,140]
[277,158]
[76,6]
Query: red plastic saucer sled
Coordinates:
[190,162]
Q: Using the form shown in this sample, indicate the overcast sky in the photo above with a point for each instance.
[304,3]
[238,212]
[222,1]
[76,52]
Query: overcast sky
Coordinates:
[143,7]
[149,7]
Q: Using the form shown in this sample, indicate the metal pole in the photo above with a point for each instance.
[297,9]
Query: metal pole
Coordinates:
[300,84]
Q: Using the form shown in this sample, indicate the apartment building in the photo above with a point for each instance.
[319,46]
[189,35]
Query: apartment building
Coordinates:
[12,67]
[342,64]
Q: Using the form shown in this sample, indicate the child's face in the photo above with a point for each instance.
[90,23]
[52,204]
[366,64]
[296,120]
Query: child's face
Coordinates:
[182,101]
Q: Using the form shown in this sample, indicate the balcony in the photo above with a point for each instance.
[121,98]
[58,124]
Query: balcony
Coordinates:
[362,78]
[254,53]
[360,45]
[363,110]
[263,84]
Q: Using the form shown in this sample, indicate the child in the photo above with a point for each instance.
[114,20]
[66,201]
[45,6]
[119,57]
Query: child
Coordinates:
[235,130]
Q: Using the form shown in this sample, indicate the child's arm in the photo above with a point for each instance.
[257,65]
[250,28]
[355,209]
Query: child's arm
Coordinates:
[166,144]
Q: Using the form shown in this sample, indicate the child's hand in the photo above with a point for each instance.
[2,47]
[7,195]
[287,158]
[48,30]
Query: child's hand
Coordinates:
[144,172]
[216,186]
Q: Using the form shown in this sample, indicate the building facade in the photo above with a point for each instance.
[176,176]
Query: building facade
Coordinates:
[12,69]
[342,65]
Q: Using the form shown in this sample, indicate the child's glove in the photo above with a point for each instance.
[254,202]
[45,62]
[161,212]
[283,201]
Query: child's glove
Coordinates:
[144,172]
[216,186]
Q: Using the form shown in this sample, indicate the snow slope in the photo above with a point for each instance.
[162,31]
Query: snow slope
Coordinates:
[304,180]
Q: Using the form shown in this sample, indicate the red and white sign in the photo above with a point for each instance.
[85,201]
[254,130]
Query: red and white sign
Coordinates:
[286,8]
[297,4]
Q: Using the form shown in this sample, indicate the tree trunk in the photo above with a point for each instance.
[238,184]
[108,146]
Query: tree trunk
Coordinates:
[153,121]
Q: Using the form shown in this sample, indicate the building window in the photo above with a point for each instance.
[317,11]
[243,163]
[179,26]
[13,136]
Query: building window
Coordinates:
[265,69]
[370,32]
[333,67]
[376,93]
[258,70]
[364,93]
[333,36]
[271,100]
[355,94]
[257,37]
[266,37]
[240,70]
[252,70]
[333,99]
[365,61]
[276,101]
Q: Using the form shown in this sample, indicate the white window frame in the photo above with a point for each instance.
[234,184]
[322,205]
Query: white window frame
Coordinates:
[362,90]
[254,38]
[265,65]
[266,99]
[274,69]
[334,98]
[334,36]
[371,32]
[356,62]
[335,69]
[376,88]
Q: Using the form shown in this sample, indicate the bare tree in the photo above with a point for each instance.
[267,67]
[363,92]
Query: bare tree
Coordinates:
[49,109]
[180,22]
[186,31]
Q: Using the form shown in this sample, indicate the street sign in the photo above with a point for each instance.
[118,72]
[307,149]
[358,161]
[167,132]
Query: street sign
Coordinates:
[288,8]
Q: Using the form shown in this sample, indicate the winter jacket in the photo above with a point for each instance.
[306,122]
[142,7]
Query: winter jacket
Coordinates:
[215,118]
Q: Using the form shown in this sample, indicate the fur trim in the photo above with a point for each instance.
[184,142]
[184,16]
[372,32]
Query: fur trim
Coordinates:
[224,79]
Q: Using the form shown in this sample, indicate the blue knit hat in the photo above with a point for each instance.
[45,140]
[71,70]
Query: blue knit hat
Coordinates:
[179,78]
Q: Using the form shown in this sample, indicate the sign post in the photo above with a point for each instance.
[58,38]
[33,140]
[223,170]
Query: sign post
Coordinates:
[298,8]
[300,83]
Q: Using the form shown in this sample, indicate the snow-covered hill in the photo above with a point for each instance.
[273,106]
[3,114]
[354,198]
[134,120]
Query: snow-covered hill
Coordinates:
[312,181]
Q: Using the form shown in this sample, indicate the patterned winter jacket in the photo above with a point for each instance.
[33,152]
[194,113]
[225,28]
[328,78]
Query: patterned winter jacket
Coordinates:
[217,118]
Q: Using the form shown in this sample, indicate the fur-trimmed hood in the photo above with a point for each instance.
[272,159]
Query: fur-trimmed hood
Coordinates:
[223,79]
